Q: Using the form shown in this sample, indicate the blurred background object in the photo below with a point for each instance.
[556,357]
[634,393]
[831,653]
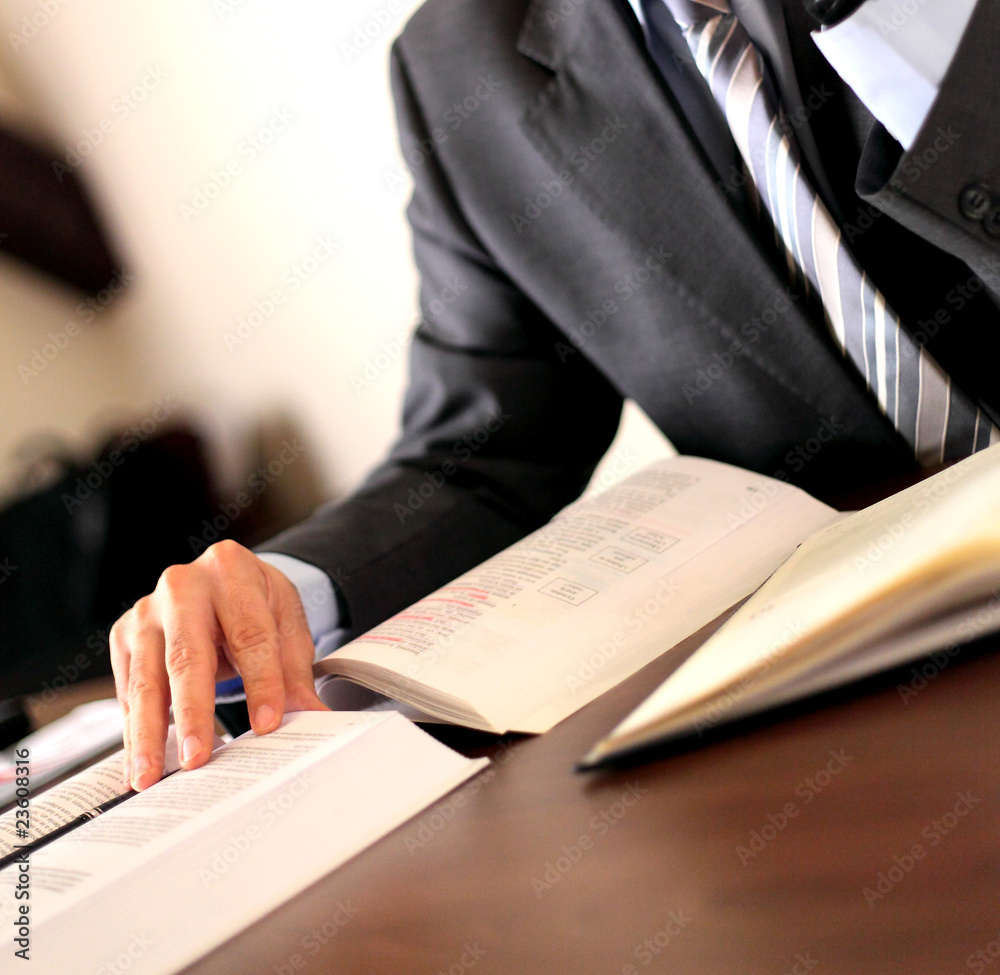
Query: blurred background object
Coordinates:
[242,158]
[50,223]
[81,549]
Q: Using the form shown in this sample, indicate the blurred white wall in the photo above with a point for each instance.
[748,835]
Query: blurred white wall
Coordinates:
[240,151]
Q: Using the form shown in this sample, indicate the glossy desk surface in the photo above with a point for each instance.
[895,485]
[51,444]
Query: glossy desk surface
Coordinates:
[862,837]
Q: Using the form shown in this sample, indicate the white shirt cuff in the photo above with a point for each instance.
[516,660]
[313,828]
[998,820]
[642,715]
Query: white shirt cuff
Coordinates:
[895,54]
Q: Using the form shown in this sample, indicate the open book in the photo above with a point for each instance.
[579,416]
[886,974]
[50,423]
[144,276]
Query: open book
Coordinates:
[172,872]
[544,627]
[916,572]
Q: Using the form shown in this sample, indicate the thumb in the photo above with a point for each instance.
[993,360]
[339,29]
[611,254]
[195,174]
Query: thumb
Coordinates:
[304,699]
[300,688]
[297,653]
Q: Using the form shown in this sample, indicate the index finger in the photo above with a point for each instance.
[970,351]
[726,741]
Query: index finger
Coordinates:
[254,646]
[189,649]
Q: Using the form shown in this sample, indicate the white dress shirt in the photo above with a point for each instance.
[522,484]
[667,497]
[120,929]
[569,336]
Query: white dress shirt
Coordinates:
[894,54]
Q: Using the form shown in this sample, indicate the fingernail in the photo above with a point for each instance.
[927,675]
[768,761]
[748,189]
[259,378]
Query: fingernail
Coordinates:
[140,766]
[190,748]
[263,718]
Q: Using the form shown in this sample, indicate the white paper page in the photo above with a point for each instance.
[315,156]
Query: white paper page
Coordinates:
[944,529]
[78,794]
[171,811]
[63,744]
[338,782]
[611,643]
[566,577]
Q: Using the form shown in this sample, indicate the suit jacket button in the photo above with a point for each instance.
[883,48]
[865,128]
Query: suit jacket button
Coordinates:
[991,222]
[975,201]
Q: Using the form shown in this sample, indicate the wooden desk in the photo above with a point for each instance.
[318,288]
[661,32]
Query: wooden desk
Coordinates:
[644,867]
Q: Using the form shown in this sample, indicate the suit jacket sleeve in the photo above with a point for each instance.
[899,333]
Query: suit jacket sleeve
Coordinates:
[498,433]
[954,162]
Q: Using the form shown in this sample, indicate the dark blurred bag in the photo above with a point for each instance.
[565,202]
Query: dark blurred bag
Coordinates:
[78,552]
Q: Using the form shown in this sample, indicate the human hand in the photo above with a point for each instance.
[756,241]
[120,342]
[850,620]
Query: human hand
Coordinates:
[227,613]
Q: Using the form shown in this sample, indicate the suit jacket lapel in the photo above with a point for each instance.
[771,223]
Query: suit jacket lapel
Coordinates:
[657,188]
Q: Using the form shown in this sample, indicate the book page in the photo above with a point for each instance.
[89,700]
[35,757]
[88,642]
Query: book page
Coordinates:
[64,744]
[77,795]
[509,636]
[223,844]
[921,555]
[164,813]
[63,803]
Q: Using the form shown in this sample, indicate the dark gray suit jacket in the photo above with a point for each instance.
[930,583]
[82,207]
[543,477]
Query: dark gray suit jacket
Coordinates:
[575,248]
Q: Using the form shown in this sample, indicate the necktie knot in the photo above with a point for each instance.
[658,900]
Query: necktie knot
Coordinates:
[688,13]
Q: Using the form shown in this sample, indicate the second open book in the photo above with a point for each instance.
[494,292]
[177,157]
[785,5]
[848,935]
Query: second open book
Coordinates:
[916,572]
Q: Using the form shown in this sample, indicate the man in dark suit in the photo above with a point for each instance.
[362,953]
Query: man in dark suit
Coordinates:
[586,230]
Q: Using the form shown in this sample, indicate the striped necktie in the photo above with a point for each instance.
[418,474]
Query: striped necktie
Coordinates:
[934,417]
